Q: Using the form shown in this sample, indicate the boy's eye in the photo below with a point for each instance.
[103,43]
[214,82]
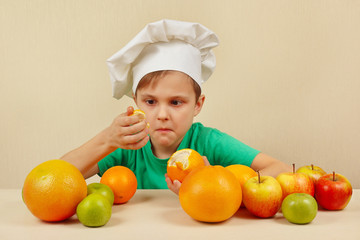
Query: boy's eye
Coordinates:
[150,101]
[176,102]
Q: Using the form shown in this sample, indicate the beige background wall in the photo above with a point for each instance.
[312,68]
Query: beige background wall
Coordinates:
[287,80]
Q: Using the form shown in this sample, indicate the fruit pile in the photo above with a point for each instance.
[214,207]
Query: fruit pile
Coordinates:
[55,190]
[213,194]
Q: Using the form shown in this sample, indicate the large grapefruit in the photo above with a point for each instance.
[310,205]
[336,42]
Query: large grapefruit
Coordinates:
[53,189]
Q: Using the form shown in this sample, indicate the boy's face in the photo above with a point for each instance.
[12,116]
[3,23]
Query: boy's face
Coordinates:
[170,107]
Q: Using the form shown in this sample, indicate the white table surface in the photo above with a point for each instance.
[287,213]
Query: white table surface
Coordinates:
[157,214]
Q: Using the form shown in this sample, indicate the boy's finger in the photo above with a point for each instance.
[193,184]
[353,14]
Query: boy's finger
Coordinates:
[129,110]
[138,144]
[173,185]
[176,186]
[123,120]
[206,161]
[134,128]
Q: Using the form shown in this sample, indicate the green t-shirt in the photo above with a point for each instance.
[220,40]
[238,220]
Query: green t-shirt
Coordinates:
[219,148]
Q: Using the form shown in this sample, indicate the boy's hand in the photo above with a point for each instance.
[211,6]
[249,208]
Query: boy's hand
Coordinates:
[127,132]
[175,185]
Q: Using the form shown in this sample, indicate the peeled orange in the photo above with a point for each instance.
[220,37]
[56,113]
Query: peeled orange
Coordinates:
[122,182]
[53,189]
[242,174]
[182,162]
[210,194]
[139,113]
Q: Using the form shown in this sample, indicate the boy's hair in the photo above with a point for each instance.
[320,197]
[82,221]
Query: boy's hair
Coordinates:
[145,81]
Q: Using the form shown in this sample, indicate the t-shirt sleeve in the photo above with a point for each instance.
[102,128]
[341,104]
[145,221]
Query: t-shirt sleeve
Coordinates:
[227,150]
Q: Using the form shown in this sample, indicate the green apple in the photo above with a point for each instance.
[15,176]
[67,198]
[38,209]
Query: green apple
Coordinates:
[102,189]
[94,210]
[299,208]
[262,196]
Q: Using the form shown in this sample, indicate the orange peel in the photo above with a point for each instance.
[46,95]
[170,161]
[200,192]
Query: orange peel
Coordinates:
[182,162]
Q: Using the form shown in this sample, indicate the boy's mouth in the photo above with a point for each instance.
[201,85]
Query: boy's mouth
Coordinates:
[163,130]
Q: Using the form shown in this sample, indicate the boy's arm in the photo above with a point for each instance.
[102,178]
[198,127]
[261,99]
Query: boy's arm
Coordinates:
[126,132]
[269,166]
[85,157]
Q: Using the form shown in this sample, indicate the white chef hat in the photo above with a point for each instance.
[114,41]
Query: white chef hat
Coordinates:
[163,45]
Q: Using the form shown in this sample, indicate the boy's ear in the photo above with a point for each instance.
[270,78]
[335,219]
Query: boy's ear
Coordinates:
[135,100]
[199,104]
[134,97]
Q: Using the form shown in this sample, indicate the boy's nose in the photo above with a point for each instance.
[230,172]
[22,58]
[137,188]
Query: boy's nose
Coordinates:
[163,113]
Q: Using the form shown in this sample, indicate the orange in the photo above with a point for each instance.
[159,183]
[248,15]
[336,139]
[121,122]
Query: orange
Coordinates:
[53,189]
[122,182]
[139,113]
[242,174]
[182,162]
[210,194]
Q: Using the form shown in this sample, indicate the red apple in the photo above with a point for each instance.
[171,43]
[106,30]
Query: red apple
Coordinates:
[262,196]
[333,191]
[312,171]
[292,182]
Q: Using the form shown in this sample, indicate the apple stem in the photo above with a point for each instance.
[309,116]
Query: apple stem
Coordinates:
[334,176]
[312,166]
[293,167]
[258,172]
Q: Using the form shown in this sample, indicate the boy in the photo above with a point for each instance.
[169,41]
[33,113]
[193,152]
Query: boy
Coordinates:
[163,69]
